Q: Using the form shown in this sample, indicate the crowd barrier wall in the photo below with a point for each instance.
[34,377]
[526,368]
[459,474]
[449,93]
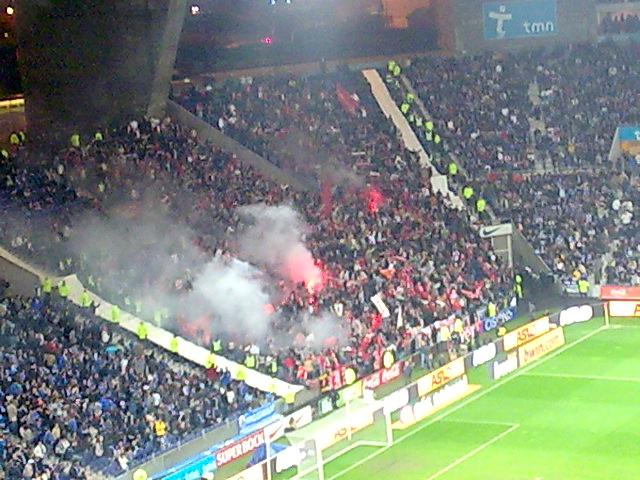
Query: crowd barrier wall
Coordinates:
[24,279]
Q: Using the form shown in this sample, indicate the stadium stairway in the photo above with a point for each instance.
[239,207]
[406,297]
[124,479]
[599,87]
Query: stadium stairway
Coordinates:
[411,142]
[523,251]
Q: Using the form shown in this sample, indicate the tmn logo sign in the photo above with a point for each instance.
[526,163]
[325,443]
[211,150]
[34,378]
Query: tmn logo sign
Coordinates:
[523,18]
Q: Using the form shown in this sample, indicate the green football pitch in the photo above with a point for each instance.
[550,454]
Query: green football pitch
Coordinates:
[572,415]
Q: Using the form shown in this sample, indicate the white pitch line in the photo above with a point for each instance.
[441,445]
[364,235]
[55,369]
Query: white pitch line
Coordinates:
[473,452]
[479,422]
[585,377]
[470,399]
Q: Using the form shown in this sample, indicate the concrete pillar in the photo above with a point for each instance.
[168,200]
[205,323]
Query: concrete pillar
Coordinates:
[87,64]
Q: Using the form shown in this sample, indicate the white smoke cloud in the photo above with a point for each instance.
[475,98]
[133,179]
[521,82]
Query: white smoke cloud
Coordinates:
[142,257]
[274,239]
[236,296]
[323,327]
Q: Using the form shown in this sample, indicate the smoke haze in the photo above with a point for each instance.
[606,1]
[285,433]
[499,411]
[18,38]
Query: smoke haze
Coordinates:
[274,239]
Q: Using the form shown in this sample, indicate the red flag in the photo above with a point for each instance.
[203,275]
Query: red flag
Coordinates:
[349,104]
[326,201]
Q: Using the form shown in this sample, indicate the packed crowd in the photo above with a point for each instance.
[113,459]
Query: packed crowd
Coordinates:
[337,115]
[533,132]
[75,393]
[294,122]
[381,229]
[621,23]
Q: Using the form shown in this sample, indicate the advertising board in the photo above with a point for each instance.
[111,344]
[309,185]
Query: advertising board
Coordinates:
[516,19]
[395,401]
[426,406]
[624,308]
[527,332]
[291,422]
[505,367]
[257,418]
[192,471]
[629,133]
[383,376]
[540,346]
[503,316]
[339,431]
[440,377]
[578,314]
[240,448]
[615,292]
[484,354]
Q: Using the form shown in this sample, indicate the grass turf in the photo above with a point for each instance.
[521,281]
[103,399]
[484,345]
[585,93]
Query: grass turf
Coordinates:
[559,420]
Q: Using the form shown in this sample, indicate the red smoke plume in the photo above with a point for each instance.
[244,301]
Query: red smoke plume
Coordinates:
[374,199]
[300,267]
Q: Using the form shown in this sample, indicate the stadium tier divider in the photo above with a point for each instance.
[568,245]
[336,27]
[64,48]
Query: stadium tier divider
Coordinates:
[186,349]
[162,338]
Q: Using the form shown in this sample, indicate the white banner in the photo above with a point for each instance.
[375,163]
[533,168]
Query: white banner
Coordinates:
[484,354]
[380,305]
[500,369]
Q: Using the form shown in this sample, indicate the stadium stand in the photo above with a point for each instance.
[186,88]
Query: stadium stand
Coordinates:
[376,239]
[79,396]
[533,132]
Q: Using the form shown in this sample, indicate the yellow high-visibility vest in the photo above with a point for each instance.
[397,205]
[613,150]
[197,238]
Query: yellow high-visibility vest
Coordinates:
[115,314]
[63,289]
[85,299]
[142,331]
[160,427]
[250,361]
[47,285]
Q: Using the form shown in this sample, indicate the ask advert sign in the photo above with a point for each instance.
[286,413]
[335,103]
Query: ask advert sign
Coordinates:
[518,19]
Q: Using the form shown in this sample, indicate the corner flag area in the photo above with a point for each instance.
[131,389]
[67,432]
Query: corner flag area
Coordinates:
[573,415]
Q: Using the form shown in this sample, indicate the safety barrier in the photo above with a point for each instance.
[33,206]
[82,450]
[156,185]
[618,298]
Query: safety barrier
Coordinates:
[186,349]
[10,103]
